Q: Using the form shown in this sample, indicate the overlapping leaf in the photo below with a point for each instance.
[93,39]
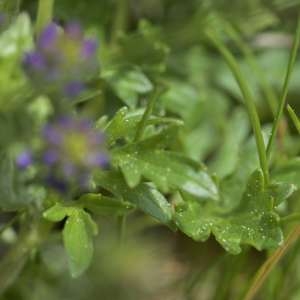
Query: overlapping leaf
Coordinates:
[168,170]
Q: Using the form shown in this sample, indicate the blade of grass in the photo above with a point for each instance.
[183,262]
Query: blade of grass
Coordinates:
[249,102]
[263,272]
[294,118]
[284,92]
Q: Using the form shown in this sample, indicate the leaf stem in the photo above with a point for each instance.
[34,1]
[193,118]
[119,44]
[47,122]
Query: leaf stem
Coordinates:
[148,111]
[249,103]
[122,228]
[270,263]
[292,59]
[44,14]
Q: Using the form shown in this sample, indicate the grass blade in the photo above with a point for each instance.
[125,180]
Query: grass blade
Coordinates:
[284,92]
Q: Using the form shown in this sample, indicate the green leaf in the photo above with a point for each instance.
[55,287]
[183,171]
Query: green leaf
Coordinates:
[281,191]
[17,38]
[105,206]
[128,84]
[124,124]
[14,42]
[235,134]
[169,171]
[253,222]
[143,48]
[78,240]
[289,172]
[57,212]
[144,196]
[182,99]
[232,187]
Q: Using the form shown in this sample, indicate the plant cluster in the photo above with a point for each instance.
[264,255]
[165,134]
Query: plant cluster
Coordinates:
[171,113]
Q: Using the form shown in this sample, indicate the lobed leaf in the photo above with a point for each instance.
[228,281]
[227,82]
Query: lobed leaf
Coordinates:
[254,222]
[169,171]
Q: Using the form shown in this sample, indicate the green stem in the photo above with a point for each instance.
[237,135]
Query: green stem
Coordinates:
[263,272]
[121,19]
[44,14]
[252,62]
[148,111]
[284,92]
[249,103]
[122,228]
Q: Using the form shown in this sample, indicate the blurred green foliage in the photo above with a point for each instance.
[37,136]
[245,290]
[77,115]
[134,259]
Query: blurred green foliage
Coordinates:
[187,173]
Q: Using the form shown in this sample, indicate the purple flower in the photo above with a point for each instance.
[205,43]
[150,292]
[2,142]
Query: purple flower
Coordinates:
[89,48]
[24,160]
[73,89]
[73,150]
[35,59]
[62,61]
[48,39]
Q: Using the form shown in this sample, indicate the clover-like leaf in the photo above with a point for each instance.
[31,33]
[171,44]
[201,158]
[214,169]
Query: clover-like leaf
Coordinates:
[254,222]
